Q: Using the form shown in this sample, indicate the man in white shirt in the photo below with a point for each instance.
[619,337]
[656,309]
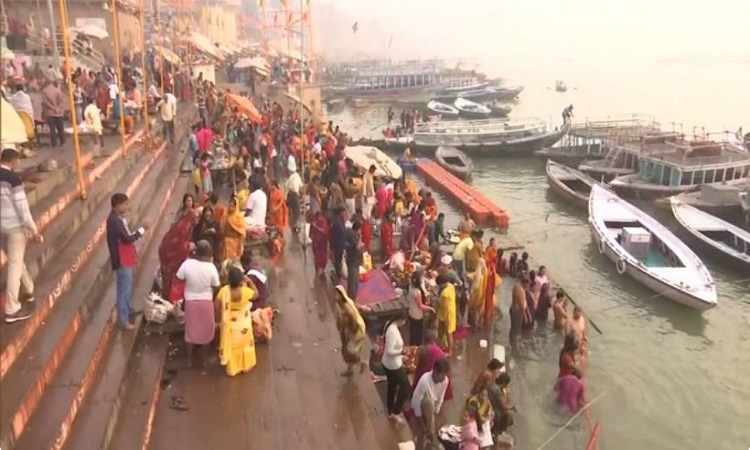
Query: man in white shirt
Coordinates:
[93,119]
[167,107]
[114,91]
[256,208]
[293,187]
[317,149]
[428,397]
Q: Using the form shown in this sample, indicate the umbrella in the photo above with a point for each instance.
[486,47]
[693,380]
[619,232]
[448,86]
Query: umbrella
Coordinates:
[6,54]
[94,31]
[245,105]
[12,129]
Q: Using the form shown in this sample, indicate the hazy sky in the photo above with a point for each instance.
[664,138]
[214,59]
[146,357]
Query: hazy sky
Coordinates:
[668,28]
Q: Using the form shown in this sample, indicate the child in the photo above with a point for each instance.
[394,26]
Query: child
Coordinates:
[469,431]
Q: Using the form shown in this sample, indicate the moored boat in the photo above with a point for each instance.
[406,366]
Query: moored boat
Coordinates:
[398,142]
[569,183]
[647,251]
[454,161]
[560,86]
[504,91]
[487,137]
[670,168]
[365,156]
[722,236]
[499,109]
[442,109]
[470,109]
[718,199]
[623,154]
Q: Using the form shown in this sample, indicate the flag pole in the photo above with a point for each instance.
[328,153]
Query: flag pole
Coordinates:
[303,210]
[157,12]
[118,67]
[71,99]
[143,67]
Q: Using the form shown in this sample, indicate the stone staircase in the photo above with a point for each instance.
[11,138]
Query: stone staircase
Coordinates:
[70,356]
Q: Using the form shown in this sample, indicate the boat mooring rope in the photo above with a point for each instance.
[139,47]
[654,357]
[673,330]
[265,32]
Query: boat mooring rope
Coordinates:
[567,424]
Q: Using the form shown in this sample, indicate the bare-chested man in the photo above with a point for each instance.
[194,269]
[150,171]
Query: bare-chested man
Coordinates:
[560,309]
[519,311]
[466,225]
[577,329]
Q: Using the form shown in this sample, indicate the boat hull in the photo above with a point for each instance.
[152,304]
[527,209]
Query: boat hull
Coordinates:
[558,187]
[696,222]
[643,277]
[473,114]
[392,95]
[642,191]
[443,114]
[603,174]
[674,271]
[397,143]
[520,147]
[462,171]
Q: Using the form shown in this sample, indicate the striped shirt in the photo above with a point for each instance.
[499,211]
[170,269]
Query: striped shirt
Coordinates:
[14,206]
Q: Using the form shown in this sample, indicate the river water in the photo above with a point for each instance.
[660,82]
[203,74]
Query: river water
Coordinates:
[669,377]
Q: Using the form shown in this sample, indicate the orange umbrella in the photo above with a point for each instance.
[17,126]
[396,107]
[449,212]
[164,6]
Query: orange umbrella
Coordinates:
[245,105]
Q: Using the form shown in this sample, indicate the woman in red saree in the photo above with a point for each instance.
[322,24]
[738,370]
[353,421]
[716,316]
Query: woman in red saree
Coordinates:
[174,249]
[278,213]
[320,235]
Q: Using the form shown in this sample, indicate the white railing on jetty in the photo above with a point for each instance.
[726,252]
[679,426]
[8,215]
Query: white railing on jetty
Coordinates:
[620,121]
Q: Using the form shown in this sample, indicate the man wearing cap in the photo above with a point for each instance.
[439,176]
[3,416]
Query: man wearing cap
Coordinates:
[447,272]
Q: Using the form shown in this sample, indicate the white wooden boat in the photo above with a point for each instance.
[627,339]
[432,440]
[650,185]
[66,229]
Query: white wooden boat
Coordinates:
[470,109]
[718,234]
[364,157]
[442,109]
[569,183]
[646,250]
[398,143]
[488,136]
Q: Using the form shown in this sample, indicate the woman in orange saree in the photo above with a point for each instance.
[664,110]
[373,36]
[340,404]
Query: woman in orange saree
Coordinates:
[278,213]
[233,232]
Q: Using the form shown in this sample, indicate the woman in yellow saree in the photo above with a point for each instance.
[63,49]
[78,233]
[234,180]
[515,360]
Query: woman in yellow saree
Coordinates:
[236,339]
[478,292]
[233,232]
[351,328]
[278,213]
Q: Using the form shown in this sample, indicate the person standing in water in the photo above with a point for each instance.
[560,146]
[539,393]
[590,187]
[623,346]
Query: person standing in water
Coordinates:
[577,329]
[560,309]
[519,311]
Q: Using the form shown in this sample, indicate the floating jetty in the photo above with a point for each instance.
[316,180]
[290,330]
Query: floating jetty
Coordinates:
[480,207]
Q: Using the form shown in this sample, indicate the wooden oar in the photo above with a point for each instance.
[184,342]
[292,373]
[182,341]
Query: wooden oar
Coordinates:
[593,324]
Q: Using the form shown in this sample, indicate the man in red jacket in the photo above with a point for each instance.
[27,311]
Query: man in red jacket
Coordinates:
[123,255]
